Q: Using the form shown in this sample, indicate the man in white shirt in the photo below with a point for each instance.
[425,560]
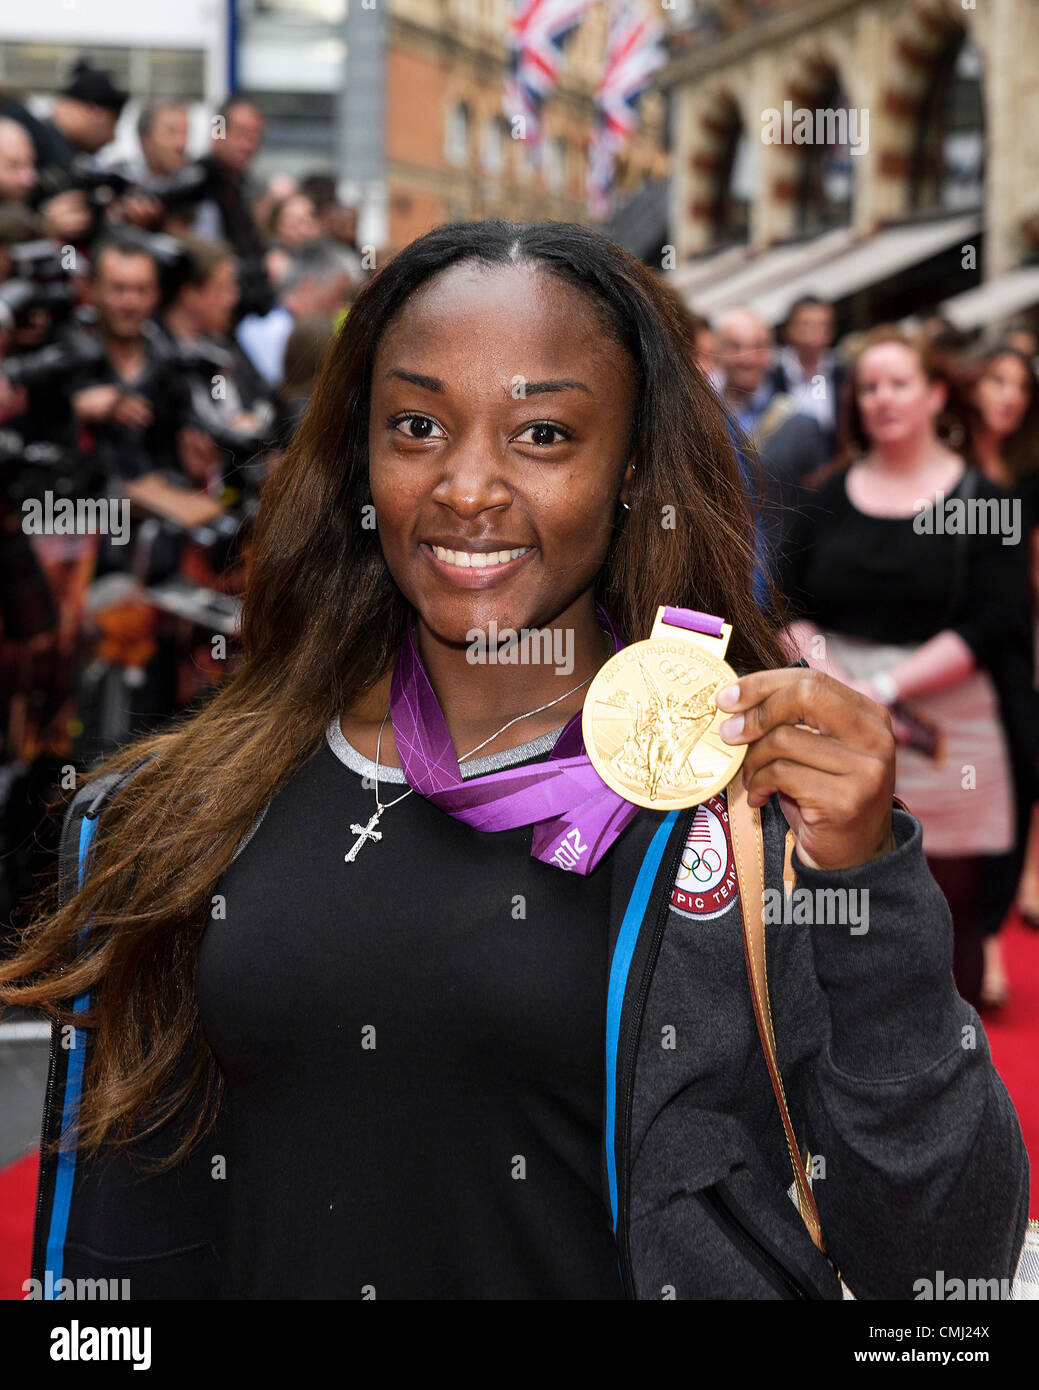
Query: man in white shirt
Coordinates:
[322,277]
[806,369]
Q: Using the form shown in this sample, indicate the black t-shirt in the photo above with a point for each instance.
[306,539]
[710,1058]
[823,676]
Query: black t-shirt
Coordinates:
[1027,489]
[413,1046]
[886,579]
[245,388]
[113,451]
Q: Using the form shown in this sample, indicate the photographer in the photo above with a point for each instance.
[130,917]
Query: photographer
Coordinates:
[17,225]
[17,162]
[162,132]
[117,403]
[82,121]
[226,211]
[226,399]
[125,407]
[200,295]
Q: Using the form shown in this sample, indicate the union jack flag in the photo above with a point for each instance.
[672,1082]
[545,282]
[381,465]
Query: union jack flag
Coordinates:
[634,50]
[538,31]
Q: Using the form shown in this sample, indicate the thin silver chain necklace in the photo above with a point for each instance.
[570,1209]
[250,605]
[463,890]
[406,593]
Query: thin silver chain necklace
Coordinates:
[369,832]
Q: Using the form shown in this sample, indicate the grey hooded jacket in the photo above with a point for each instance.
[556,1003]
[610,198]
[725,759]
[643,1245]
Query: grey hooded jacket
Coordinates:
[919,1164]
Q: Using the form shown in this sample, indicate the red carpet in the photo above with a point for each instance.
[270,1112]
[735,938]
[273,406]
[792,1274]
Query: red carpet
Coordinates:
[17,1198]
[1013,1035]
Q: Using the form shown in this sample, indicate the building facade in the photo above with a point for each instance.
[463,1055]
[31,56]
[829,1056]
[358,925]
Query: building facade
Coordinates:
[949,93]
[449,149]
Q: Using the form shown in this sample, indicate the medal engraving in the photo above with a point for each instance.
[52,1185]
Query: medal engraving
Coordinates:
[650,720]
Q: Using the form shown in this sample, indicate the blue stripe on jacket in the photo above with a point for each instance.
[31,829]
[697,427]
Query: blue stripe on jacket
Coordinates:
[619,968]
[66,1173]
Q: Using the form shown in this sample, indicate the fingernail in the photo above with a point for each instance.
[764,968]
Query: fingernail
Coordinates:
[729,696]
[732,728]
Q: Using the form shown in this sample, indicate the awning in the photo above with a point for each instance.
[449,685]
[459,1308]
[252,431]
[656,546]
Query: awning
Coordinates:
[770,269]
[999,298]
[876,258]
[640,224]
[686,279]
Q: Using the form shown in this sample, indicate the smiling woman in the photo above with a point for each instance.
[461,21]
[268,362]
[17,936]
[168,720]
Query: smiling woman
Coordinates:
[500,1045]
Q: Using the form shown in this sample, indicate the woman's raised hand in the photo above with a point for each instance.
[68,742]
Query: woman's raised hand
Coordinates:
[829,754]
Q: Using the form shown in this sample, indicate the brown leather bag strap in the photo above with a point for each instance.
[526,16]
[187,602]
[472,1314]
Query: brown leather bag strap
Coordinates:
[745,831]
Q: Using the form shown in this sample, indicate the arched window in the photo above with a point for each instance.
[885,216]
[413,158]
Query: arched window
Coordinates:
[828,171]
[730,217]
[525,161]
[456,135]
[555,164]
[492,145]
[947,169]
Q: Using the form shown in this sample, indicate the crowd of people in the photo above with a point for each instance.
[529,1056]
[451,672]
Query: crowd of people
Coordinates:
[898,481]
[162,320]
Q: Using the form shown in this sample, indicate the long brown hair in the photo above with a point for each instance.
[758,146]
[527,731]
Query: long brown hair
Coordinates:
[322,622]
[1020,451]
[304,353]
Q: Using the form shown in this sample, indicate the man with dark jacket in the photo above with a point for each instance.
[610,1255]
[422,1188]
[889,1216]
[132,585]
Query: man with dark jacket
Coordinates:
[806,369]
[200,295]
[121,410]
[82,121]
[789,444]
[226,214]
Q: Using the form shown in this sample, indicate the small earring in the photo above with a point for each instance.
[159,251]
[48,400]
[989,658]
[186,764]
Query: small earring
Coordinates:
[625,506]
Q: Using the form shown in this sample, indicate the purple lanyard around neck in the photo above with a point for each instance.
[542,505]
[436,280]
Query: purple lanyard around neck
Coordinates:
[576,817]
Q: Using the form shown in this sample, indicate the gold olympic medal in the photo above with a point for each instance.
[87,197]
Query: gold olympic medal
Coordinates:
[650,721]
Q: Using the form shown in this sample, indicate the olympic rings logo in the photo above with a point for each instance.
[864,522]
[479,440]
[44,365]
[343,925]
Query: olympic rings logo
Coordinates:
[681,675]
[692,860]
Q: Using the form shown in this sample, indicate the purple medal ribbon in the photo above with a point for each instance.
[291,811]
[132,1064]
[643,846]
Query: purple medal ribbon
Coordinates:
[575,815]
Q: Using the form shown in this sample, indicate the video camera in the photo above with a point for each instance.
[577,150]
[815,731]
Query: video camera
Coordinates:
[180,190]
[244,469]
[38,260]
[29,468]
[39,281]
[18,299]
[77,349]
[185,186]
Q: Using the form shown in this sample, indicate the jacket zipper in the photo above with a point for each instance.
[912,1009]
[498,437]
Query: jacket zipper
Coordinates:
[727,1216]
[39,1252]
[68,871]
[681,833]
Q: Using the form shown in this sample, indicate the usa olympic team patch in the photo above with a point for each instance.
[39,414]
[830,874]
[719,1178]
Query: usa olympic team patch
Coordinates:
[706,885]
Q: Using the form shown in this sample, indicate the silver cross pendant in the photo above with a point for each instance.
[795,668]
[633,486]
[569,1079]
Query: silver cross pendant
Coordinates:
[364,832]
